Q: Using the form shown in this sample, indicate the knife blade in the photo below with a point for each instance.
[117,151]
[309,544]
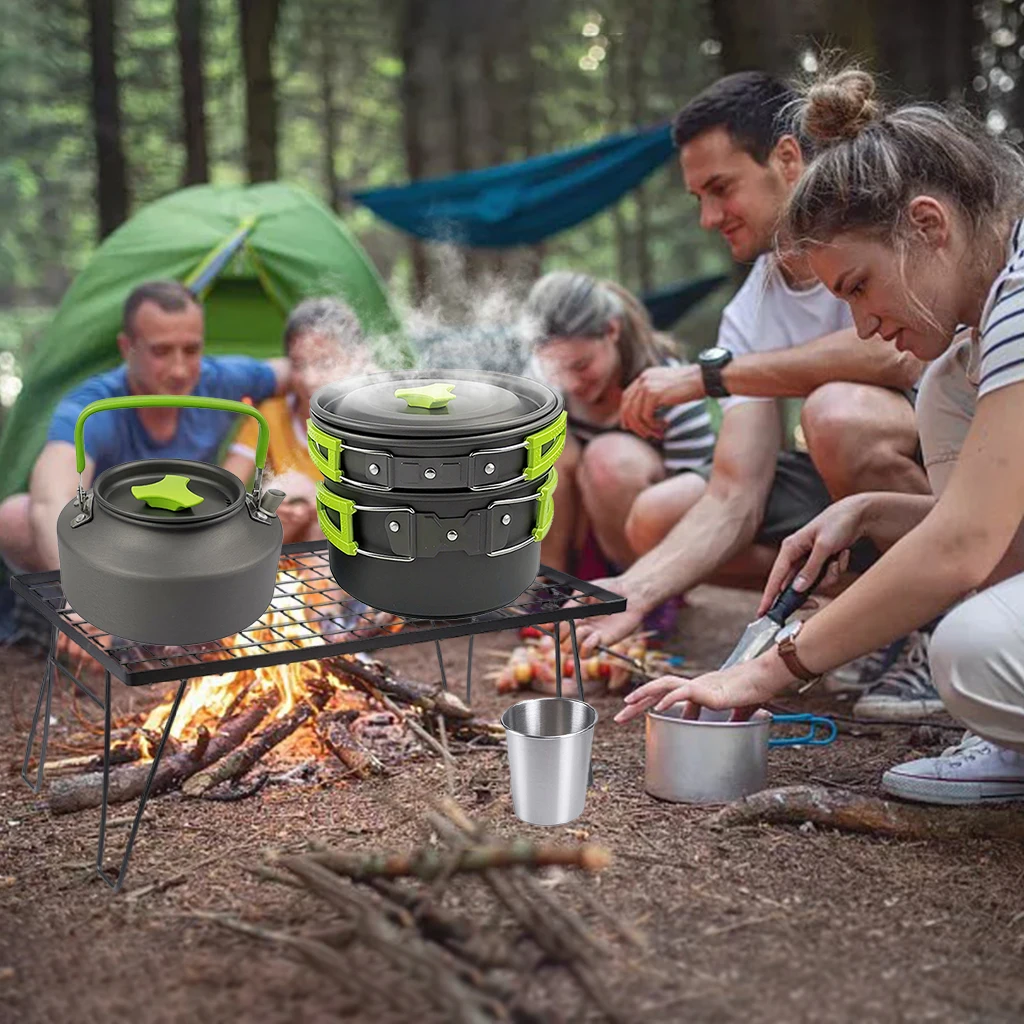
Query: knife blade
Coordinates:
[760,633]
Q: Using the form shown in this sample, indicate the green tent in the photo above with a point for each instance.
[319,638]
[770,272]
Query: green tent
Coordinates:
[251,253]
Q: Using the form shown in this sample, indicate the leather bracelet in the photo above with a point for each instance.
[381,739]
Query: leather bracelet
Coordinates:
[787,652]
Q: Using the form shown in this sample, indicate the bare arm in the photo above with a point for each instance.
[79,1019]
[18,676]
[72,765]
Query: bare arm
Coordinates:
[954,550]
[52,485]
[888,516]
[726,519]
[842,356]
[782,373]
[883,517]
[723,522]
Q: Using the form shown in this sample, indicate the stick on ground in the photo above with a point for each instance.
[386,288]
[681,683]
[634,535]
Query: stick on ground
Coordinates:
[857,812]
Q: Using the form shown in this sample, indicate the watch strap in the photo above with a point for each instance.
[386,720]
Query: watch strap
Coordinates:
[787,652]
[711,375]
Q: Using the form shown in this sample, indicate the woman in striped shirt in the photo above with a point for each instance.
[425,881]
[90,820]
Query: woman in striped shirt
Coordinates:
[590,339]
[914,218]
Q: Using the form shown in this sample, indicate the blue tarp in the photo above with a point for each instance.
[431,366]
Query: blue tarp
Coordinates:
[524,202]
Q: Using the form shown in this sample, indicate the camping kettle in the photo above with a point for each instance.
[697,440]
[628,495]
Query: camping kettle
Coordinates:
[170,551]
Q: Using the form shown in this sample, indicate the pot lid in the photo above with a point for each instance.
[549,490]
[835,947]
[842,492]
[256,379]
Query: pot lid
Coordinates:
[169,492]
[448,403]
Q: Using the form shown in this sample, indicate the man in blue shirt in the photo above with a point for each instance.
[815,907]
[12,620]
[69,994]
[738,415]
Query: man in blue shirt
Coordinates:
[162,346]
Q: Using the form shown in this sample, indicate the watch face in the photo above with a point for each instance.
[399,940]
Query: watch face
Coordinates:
[713,354]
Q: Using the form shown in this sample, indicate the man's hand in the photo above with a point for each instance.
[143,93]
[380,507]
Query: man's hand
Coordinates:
[655,388]
[608,629]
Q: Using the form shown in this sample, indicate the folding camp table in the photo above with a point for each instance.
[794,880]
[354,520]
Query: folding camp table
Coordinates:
[308,609]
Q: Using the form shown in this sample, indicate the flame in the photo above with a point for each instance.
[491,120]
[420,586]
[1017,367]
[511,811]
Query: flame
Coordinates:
[210,699]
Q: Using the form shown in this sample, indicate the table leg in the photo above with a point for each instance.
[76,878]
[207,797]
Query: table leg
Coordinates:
[558,659]
[579,683]
[440,664]
[576,657]
[47,689]
[116,885]
[469,670]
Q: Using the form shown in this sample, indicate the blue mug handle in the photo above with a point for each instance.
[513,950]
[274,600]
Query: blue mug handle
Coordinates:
[808,738]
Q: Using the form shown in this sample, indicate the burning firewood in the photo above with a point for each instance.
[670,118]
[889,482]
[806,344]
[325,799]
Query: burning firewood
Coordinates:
[77,792]
[215,738]
[239,761]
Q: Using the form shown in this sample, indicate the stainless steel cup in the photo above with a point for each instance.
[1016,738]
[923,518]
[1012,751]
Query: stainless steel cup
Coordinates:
[549,741]
[707,761]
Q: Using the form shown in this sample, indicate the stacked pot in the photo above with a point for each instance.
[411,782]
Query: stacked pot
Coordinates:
[437,490]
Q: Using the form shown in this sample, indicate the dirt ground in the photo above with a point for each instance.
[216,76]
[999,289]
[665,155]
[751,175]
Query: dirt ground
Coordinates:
[761,923]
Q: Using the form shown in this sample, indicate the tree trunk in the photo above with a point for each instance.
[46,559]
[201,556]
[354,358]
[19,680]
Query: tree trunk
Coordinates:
[768,35]
[330,114]
[412,25]
[111,168]
[924,47]
[189,15]
[635,87]
[616,91]
[258,20]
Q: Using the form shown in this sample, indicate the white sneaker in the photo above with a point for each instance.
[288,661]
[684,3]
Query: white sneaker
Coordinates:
[857,675]
[905,690]
[973,771]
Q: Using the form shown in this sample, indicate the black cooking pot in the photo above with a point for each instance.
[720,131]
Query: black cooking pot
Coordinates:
[437,491]
[168,551]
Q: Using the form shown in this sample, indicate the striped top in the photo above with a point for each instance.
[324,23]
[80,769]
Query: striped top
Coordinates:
[688,441]
[997,352]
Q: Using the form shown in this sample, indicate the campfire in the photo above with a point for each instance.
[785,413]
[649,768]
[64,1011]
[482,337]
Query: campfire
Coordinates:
[346,709]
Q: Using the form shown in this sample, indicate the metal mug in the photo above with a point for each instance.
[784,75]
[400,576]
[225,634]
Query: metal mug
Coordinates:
[703,761]
[549,741]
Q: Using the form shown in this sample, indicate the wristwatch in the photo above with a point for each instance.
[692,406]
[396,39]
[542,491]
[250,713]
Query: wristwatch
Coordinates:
[786,644]
[712,361]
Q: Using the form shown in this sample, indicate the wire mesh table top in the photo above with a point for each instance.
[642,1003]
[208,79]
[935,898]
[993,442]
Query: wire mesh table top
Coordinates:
[310,617]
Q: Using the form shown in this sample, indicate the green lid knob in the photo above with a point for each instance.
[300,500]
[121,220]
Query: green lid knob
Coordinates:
[171,493]
[428,396]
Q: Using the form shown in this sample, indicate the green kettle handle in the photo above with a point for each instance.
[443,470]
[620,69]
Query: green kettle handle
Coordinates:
[177,401]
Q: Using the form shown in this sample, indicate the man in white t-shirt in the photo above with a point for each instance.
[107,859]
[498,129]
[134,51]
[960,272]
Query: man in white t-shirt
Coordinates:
[783,335]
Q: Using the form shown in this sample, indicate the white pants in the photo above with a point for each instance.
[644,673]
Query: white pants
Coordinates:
[977,651]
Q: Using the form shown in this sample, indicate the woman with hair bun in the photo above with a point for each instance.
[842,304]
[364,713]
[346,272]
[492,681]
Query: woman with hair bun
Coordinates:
[914,217]
[591,339]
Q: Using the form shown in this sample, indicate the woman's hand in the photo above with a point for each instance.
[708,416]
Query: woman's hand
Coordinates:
[656,387]
[743,686]
[834,531]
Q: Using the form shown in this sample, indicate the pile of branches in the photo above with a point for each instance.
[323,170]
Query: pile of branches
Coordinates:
[469,967]
[216,762]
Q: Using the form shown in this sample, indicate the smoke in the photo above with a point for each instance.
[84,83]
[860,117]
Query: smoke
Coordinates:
[468,321]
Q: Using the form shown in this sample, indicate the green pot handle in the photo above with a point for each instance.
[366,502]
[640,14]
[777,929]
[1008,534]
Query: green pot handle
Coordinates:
[172,401]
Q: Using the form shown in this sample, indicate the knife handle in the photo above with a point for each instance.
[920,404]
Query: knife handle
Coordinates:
[791,600]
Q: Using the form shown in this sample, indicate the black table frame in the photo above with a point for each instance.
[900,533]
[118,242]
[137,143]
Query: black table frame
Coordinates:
[308,606]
